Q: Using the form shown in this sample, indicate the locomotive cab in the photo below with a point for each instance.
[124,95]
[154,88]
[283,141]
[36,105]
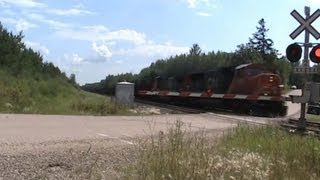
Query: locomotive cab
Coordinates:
[255,79]
[160,83]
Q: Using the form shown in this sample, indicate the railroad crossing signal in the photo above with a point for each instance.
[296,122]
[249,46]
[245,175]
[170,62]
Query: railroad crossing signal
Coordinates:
[305,24]
[315,54]
[293,52]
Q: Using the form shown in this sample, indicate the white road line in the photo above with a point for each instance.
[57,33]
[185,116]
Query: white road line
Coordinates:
[121,140]
[104,135]
[126,135]
[128,142]
[243,119]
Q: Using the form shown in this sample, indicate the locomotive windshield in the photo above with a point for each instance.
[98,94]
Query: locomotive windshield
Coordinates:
[254,72]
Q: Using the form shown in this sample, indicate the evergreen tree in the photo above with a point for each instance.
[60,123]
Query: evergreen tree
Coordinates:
[262,44]
[195,50]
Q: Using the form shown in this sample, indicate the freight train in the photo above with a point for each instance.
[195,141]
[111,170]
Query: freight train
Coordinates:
[255,89]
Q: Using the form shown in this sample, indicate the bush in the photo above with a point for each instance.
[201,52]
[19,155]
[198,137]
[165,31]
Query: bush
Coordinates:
[102,107]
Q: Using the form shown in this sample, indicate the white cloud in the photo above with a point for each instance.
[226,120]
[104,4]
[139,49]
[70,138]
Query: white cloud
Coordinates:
[204,14]
[314,2]
[200,3]
[152,50]
[102,50]
[20,24]
[38,47]
[72,11]
[192,3]
[8,12]
[101,33]
[202,7]
[127,35]
[8,20]
[24,25]
[23,3]
[77,10]
[133,43]
[74,58]
[54,24]
[119,62]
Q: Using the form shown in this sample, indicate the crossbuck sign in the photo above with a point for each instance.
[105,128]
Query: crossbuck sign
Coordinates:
[305,24]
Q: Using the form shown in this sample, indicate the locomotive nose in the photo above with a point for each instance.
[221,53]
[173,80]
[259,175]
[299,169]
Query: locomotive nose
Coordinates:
[270,85]
[271,79]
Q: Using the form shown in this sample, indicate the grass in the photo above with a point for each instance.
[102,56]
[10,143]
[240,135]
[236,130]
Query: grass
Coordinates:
[313,118]
[53,96]
[244,153]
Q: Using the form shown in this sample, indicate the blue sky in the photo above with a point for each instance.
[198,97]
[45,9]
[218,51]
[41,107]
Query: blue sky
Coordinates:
[94,38]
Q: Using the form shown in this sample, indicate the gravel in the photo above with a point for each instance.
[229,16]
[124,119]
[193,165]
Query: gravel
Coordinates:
[80,159]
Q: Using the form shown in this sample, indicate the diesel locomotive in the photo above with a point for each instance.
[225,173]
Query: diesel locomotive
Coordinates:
[248,88]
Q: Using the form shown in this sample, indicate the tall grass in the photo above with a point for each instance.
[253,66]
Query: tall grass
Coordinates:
[243,153]
[97,105]
[53,96]
[288,156]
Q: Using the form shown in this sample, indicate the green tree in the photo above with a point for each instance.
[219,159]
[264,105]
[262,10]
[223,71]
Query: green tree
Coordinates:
[72,80]
[262,44]
[195,50]
[246,54]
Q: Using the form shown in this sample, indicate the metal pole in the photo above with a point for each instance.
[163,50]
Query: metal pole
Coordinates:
[302,119]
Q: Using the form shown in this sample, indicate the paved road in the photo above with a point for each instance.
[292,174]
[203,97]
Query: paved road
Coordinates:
[42,128]
[52,147]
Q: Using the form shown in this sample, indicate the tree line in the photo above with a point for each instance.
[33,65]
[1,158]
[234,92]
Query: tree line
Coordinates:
[18,60]
[28,83]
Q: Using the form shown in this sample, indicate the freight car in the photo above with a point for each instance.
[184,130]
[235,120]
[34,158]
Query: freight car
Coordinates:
[249,88]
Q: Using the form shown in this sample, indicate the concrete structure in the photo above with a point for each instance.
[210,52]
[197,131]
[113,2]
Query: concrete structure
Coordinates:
[125,93]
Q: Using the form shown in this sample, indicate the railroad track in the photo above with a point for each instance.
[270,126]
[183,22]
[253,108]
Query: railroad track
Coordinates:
[292,125]
[172,107]
[223,115]
[287,123]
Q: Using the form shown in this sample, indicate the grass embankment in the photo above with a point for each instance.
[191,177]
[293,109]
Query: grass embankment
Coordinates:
[313,117]
[243,153]
[52,96]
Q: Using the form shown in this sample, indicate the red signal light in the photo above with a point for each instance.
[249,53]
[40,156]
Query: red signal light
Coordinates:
[315,54]
[293,52]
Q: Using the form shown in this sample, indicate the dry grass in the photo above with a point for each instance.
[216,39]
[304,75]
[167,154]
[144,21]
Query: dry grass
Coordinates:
[243,153]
